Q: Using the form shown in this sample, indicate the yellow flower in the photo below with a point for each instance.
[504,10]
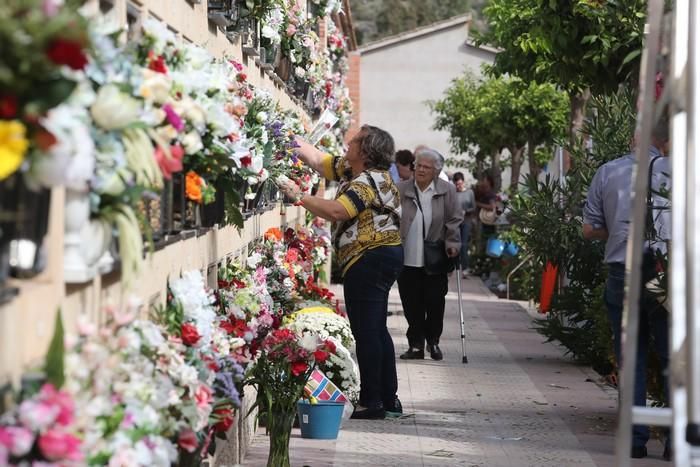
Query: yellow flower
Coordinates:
[13,146]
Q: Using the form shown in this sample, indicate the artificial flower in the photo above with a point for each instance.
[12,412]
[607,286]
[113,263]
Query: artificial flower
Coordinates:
[172,163]
[299,368]
[187,440]
[8,106]
[67,52]
[190,336]
[57,445]
[13,147]
[192,143]
[114,109]
[225,416]
[173,118]
[193,186]
[155,87]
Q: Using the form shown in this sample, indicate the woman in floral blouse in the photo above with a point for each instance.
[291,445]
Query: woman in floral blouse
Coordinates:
[366,214]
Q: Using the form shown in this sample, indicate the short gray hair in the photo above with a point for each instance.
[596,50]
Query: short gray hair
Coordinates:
[436,157]
[377,146]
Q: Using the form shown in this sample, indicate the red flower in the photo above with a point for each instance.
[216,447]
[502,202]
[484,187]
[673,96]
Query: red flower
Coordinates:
[157,64]
[246,161]
[8,106]
[187,440]
[225,416]
[299,368]
[330,345]
[321,356]
[190,336]
[67,52]
[240,77]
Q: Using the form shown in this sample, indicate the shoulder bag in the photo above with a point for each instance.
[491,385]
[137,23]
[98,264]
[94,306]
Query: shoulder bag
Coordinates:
[435,259]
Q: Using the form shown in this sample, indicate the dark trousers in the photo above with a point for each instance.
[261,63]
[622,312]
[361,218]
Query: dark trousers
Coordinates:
[423,301]
[465,231]
[653,326]
[366,287]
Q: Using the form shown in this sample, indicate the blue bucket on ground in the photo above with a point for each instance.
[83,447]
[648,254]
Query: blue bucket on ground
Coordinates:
[320,420]
[511,249]
[495,247]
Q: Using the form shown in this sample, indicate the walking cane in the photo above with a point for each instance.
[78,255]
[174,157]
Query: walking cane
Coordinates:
[461,311]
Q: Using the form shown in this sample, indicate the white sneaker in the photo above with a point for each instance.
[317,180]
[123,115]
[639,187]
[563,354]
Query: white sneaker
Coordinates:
[464,274]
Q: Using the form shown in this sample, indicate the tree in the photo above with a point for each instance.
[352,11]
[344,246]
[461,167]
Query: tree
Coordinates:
[582,46]
[500,113]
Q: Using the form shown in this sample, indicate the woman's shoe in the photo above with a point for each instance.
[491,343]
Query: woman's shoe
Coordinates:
[412,354]
[369,414]
[395,407]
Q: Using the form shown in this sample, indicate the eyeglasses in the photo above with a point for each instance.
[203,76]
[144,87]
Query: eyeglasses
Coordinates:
[424,167]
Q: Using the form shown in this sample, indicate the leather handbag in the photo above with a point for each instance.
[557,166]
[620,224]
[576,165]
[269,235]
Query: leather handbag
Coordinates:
[488,217]
[435,259]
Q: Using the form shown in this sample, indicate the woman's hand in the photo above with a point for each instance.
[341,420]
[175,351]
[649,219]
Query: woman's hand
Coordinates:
[291,190]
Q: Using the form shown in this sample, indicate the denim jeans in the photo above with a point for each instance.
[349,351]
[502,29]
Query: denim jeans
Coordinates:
[653,326]
[465,231]
[366,287]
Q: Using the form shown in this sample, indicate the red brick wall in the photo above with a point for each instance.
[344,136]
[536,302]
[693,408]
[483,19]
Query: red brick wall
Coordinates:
[353,81]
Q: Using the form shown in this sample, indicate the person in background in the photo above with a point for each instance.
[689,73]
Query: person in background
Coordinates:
[366,214]
[430,212]
[606,217]
[402,168]
[486,198]
[466,201]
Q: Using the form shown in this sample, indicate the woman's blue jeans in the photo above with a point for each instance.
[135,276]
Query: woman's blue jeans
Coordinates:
[653,328]
[366,287]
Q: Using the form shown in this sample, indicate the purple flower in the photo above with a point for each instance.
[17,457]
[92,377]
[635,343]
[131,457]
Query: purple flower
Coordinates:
[173,118]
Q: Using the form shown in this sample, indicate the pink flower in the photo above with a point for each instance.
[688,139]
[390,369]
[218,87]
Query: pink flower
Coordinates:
[60,399]
[172,164]
[56,445]
[202,396]
[51,7]
[37,415]
[173,118]
[187,440]
[291,30]
[17,440]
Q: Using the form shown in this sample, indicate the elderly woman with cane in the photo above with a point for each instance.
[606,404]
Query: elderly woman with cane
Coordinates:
[366,214]
[431,237]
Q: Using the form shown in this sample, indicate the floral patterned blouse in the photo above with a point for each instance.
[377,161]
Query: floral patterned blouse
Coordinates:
[374,204]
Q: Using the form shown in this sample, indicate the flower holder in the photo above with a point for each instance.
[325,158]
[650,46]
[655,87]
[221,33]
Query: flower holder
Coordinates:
[320,420]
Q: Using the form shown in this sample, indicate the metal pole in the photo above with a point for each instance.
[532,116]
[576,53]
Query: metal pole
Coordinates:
[635,243]
[526,259]
[693,230]
[677,255]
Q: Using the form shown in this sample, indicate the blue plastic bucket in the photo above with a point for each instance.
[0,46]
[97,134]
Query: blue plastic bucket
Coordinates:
[511,249]
[495,247]
[320,420]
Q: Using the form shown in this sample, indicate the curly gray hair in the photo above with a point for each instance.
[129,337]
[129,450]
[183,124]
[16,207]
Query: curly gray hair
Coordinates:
[432,154]
[377,147]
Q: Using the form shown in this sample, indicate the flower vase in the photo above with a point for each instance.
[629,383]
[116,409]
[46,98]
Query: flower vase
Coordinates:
[280,430]
[76,218]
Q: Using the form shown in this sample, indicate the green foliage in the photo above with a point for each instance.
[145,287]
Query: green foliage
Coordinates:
[548,222]
[376,19]
[577,45]
[54,366]
[500,112]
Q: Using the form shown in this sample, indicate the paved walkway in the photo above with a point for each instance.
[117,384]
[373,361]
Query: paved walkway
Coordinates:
[517,403]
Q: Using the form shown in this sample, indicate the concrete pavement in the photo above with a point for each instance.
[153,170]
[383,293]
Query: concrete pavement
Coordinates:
[518,402]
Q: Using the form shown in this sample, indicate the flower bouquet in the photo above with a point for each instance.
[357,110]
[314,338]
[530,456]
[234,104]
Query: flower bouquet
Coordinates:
[41,431]
[280,374]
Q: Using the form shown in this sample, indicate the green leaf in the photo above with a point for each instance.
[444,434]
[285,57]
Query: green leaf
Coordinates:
[54,369]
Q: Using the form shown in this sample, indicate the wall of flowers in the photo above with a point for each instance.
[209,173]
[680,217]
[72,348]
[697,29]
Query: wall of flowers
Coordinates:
[142,143]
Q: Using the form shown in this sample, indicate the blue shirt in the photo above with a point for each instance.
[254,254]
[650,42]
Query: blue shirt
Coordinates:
[608,205]
[394,172]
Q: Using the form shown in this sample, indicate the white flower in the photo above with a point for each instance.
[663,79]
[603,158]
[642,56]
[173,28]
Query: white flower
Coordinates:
[114,109]
[253,260]
[300,72]
[197,57]
[160,32]
[309,341]
[155,86]
[167,132]
[71,160]
[223,123]
[261,117]
[192,143]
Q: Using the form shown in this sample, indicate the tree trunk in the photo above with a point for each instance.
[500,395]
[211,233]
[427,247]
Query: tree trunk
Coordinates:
[516,162]
[577,115]
[535,168]
[496,169]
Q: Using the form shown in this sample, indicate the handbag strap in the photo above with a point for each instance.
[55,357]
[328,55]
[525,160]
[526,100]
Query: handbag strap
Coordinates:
[422,214]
